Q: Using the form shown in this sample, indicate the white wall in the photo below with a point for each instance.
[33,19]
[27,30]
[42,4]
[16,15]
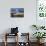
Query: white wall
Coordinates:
[24,24]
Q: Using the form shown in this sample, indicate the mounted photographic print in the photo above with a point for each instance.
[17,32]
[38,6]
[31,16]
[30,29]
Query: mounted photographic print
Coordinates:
[41,8]
[17,12]
[41,12]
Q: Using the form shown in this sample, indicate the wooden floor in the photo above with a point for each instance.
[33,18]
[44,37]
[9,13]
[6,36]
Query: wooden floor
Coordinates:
[13,44]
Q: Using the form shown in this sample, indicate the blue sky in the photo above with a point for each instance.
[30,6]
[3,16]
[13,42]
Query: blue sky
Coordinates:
[16,10]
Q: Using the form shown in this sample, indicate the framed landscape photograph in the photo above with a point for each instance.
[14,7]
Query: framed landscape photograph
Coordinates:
[17,12]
